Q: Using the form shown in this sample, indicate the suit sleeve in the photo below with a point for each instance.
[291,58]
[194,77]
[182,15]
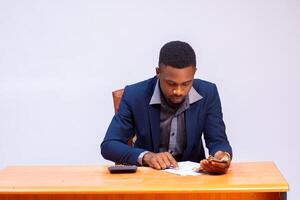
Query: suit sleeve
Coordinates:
[114,146]
[214,130]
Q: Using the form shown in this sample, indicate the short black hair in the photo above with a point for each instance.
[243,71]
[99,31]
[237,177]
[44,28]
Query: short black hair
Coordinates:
[177,54]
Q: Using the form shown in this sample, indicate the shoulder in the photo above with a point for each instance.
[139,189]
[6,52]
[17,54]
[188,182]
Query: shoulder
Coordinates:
[208,91]
[204,88]
[140,90]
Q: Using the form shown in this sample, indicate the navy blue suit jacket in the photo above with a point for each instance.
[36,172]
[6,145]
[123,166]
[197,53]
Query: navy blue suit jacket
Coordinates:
[136,116]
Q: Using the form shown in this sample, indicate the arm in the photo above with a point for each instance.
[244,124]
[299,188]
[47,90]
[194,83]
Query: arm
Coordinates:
[114,146]
[215,136]
[214,129]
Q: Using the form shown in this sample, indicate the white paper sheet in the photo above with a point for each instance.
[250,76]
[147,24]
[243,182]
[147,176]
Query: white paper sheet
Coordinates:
[186,168]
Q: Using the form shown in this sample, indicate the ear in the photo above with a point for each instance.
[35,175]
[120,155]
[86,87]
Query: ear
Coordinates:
[157,69]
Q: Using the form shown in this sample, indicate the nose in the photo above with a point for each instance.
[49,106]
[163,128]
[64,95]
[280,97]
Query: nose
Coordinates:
[178,91]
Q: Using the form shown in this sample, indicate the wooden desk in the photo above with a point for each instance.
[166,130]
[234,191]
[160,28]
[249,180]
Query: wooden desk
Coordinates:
[252,180]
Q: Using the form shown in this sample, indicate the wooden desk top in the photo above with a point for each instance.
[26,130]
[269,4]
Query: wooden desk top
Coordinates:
[244,177]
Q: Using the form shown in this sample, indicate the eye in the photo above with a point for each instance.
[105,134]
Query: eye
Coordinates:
[186,83]
[171,83]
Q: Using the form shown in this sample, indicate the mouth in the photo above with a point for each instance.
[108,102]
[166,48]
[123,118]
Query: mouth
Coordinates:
[176,100]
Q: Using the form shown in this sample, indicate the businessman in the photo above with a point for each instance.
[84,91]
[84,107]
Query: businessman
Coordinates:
[169,113]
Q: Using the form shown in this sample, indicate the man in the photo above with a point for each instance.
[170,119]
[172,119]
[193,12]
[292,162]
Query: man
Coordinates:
[168,114]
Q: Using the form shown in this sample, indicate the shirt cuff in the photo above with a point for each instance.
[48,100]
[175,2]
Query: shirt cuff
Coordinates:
[140,158]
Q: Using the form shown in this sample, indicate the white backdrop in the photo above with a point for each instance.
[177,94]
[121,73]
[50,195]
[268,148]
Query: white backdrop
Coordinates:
[60,60]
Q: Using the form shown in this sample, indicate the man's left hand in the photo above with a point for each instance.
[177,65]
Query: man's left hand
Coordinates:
[216,167]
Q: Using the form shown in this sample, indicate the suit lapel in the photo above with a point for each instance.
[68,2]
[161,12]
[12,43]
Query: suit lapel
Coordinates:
[154,117]
[190,130]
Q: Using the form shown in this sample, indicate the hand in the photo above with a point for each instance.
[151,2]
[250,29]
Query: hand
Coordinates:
[159,161]
[216,167]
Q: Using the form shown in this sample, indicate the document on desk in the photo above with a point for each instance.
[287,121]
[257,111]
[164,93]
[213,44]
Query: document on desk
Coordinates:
[186,168]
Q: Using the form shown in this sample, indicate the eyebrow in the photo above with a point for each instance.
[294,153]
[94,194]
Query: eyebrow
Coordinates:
[178,83]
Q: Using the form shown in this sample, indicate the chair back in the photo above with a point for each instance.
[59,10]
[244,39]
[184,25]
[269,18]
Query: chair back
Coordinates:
[117,96]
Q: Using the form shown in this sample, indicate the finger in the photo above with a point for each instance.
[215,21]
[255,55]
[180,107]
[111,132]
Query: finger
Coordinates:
[204,165]
[210,164]
[220,165]
[154,163]
[172,160]
[217,166]
[161,162]
[207,166]
[198,168]
[166,160]
[210,167]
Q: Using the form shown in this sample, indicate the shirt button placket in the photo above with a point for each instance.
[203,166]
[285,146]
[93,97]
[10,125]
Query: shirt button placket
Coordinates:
[172,143]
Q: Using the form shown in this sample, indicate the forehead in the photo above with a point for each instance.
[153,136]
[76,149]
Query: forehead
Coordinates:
[177,75]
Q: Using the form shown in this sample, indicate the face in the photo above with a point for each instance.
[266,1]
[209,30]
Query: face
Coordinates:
[175,83]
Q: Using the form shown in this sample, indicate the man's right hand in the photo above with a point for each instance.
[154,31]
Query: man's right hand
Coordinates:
[159,161]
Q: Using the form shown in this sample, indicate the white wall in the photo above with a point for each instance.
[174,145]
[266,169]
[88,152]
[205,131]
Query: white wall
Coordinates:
[60,60]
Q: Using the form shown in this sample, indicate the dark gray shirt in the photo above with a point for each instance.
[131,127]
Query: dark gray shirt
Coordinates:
[172,124]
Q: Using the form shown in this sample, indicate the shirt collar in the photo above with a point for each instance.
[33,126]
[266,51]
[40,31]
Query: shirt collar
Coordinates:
[193,95]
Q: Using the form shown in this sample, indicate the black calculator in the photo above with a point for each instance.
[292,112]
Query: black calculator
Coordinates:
[117,169]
